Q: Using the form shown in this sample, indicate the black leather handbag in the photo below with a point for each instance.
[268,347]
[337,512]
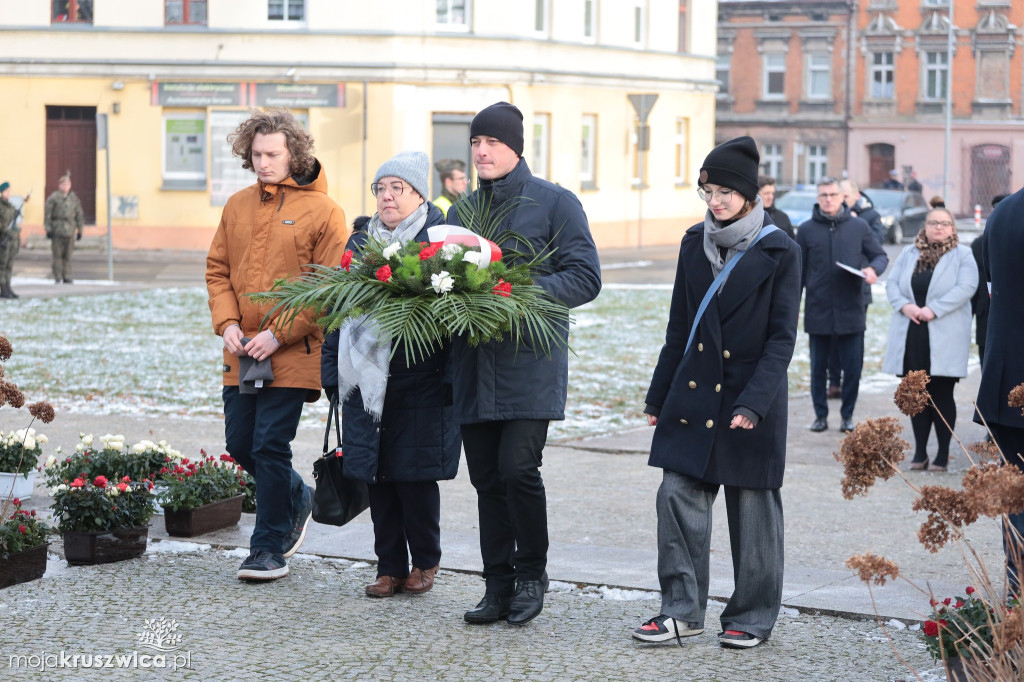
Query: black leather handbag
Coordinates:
[337,499]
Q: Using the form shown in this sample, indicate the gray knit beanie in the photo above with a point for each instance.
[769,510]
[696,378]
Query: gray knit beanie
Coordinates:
[413,167]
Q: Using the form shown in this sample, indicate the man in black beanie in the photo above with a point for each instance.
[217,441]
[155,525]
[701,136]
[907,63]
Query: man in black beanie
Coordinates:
[506,393]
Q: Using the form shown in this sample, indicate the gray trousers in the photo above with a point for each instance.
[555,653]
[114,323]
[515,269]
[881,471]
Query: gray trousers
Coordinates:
[684,551]
[62,248]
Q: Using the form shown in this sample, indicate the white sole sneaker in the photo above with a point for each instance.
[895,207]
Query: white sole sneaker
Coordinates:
[670,634]
[302,536]
[257,574]
[747,643]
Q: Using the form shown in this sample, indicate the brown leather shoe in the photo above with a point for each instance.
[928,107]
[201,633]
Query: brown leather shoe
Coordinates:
[385,586]
[420,581]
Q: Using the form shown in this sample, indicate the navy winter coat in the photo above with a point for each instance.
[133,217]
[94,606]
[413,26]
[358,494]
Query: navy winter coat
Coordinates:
[1003,367]
[417,438]
[497,381]
[835,299]
[736,364]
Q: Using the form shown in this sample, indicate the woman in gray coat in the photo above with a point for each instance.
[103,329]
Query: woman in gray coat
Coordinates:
[930,289]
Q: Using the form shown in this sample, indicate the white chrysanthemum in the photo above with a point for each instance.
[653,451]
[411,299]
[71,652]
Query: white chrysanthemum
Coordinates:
[42,439]
[391,250]
[442,282]
[30,443]
[87,439]
[115,445]
[449,251]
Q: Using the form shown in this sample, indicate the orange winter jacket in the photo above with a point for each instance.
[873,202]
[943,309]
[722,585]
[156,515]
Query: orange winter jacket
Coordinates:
[270,232]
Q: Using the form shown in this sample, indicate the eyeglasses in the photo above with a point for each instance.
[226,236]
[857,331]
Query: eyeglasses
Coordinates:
[722,194]
[396,188]
[829,195]
[939,223]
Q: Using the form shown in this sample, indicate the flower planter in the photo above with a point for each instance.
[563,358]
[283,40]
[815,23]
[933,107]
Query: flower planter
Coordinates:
[187,523]
[21,567]
[104,546]
[17,485]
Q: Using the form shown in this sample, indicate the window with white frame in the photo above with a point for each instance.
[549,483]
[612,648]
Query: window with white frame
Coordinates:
[883,76]
[541,13]
[639,24]
[540,163]
[819,76]
[722,66]
[453,14]
[774,76]
[184,151]
[682,143]
[588,151]
[286,10]
[817,162]
[590,19]
[771,161]
[936,75]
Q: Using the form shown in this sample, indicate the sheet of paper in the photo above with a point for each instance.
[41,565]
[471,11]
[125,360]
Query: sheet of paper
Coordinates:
[852,271]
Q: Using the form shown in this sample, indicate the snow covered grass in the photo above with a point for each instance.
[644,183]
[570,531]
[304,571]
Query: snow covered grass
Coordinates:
[153,353]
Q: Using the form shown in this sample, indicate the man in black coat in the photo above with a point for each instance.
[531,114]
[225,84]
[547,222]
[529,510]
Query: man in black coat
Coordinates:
[766,190]
[835,298]
[1003,367]
[506,393]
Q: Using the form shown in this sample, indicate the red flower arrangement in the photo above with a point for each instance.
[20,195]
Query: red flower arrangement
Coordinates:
[383,273]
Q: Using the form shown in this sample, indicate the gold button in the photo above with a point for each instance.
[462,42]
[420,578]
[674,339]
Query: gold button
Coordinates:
[683,421]
[725,354]
[700,346]
[709,423]
[693,384]
[718,388]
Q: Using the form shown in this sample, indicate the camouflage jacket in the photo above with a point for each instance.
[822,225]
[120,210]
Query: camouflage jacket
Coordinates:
[63,216]
[7,212]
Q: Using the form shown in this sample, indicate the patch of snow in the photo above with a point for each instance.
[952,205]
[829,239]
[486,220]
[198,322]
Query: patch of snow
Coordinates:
[626,265]
[242,552]
[788,612]
[619,594]
[557,586]
[357,565]
[896,624]
[178,547]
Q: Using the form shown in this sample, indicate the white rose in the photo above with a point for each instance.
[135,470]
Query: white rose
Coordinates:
[41,438]
[442,282]
[79,448]
[30,443]
[138,448]
[115,445]
[162,443]
[87,439]
[60,449]
[59,489]
[391,250]
[50,461]
[113,491]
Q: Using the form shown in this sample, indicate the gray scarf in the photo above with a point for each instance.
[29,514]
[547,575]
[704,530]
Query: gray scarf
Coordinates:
[734,237]
[363,359]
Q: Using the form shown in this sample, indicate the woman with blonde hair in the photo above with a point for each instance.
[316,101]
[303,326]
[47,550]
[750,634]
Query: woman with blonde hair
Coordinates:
[930,289]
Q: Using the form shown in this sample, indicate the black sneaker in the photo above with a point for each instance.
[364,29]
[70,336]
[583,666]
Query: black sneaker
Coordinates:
[262,565]
[300,521]
[663,628]
[734,639]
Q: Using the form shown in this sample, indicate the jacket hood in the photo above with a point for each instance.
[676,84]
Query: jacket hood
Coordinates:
[316,181]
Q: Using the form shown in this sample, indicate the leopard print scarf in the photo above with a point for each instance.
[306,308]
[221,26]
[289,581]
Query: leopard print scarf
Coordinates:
[931,252]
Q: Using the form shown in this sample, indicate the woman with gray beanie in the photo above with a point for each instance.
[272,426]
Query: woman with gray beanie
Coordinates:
[398,431]
[717,403]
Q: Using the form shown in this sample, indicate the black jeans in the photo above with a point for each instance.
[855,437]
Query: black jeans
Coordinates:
[259,430]
[851,361]
[405,515]
[1011,441]
[504,460]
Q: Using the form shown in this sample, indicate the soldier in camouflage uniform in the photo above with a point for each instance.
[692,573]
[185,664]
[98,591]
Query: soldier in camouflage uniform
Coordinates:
[64,222]
[10,238]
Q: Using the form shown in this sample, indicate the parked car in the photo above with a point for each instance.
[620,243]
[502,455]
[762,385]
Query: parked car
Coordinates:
[903,212]
[798,204]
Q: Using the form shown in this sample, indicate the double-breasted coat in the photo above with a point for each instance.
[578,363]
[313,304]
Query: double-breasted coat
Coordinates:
[736,364]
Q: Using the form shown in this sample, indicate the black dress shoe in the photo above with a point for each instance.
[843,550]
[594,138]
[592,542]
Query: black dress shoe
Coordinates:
[491,609]
[847,425]
[820,424]
[528,600]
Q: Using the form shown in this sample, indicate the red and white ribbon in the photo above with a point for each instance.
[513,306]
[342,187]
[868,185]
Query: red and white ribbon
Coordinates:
[455,234]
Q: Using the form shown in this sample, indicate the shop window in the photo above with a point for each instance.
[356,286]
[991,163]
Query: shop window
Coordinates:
[185,12]
[72,11]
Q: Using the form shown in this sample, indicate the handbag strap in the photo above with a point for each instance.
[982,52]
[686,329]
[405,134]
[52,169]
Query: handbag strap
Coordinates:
[767,229]
[332,411]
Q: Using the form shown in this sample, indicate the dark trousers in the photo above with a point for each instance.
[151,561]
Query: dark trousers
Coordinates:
[834,373]
[941,391]
[1011,441]
[851,361]
[62,248]
[259,430]
[504,459]
[406,519]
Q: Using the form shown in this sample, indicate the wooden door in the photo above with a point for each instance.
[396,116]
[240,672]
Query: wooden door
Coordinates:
[71,146]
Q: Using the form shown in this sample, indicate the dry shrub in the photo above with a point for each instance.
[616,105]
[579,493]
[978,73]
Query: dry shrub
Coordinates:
[947,509]
[873,567]
[986,450]
[992,489]
[872,450]
[1016,397]
[912,394]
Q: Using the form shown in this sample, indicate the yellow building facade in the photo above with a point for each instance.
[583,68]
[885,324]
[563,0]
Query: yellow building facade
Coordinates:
[168,81]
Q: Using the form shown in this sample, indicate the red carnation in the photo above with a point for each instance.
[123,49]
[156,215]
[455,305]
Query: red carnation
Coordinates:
[931,628]
[78,483]
[22,529]
[384,273]
[100,482]
[346,260]
[502,288]
[428,252]
[122,487]
[970,590]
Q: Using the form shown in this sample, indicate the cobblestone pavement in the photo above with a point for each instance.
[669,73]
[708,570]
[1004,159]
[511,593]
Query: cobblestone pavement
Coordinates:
[316,624]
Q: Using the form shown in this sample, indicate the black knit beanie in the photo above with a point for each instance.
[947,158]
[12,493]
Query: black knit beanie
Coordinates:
[503,121]
[733,164]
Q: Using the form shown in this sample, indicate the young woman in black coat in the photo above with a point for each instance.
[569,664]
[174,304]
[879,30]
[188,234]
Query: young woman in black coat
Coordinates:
[719,408]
